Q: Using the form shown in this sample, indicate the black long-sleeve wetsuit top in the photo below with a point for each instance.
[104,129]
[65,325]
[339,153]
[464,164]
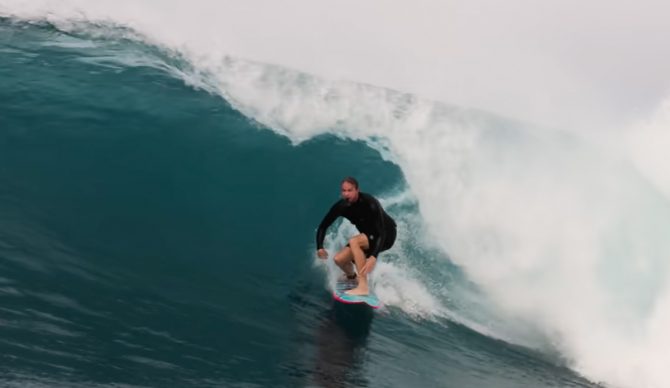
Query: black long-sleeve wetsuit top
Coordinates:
[366,214]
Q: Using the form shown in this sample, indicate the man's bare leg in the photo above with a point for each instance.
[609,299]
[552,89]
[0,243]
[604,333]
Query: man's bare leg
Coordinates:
[357,245]
[343,260]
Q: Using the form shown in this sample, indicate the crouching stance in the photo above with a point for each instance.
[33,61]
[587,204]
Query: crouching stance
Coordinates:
[377,233]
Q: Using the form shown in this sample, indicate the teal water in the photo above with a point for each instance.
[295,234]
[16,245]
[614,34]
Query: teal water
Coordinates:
[151,235]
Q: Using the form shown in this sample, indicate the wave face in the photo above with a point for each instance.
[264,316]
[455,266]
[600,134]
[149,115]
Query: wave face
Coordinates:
[152,233]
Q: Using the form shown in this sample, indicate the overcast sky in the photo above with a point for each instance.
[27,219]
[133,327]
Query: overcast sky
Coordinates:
[558,62]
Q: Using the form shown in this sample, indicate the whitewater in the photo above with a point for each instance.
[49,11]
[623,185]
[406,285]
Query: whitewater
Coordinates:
[558,212]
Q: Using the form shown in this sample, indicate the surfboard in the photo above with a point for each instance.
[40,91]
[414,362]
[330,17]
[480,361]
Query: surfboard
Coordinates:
[344,285]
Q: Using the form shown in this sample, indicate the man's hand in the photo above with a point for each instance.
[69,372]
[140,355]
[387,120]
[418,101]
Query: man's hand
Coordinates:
[369,265]
[322,253]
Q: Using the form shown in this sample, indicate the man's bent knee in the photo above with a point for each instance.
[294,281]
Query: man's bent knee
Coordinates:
[343,256]
[359,241]
[356,241]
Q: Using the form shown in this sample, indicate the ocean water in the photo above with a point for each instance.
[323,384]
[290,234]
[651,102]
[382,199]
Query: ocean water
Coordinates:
[157,221]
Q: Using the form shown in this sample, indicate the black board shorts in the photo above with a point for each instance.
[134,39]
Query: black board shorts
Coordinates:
[388,243]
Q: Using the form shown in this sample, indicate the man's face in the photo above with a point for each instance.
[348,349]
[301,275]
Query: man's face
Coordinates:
[349,192]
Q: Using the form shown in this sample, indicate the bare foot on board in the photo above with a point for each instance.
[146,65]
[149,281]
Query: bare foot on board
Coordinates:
[357,291]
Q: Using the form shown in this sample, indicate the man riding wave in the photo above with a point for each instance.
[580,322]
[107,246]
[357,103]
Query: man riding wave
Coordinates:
[377,233]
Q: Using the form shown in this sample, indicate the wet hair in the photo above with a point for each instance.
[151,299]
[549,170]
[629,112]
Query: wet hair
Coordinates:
[351,180]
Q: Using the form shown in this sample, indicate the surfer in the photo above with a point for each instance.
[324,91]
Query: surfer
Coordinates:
[377,233]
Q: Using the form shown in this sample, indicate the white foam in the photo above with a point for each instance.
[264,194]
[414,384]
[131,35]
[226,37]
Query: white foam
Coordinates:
[648,142]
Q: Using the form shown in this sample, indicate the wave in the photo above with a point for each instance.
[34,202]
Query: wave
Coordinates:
[563,235]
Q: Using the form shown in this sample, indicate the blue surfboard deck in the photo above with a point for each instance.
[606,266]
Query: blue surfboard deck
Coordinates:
[342,286]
